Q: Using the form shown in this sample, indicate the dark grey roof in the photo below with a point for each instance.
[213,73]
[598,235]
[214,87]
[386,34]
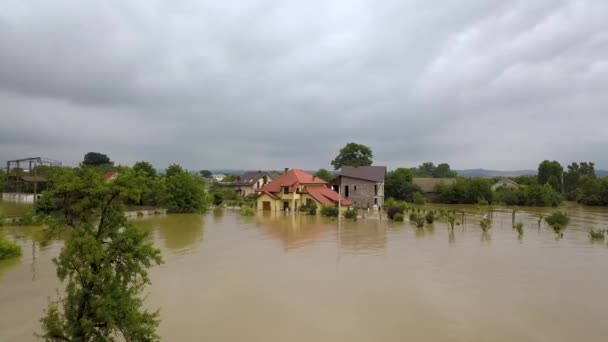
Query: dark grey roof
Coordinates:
[249,178]
[370,173]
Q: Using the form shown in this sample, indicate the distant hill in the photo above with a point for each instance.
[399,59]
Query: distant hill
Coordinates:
[494,173]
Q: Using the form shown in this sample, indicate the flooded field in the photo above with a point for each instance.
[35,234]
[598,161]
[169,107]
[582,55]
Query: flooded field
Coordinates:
[299,278]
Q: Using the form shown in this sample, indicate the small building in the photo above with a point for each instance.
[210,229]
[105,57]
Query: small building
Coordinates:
[251,182]
[218,177]
[296,188]
[363,185]
[505,183]
[110,175]
[430,185]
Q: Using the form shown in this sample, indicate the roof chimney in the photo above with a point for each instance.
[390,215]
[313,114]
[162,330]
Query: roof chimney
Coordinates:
[286,169]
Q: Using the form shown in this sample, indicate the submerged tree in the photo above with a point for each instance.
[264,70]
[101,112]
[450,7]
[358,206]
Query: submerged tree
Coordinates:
[104,262]
[558,221]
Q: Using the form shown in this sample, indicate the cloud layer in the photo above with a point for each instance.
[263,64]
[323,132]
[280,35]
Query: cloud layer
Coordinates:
[269,84]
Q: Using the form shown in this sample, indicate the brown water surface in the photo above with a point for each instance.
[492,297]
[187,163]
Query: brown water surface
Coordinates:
[285,278]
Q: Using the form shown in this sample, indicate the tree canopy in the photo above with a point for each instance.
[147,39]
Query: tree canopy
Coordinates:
[325,175]
[353,154]
[96,159]
[205,173]
[551,172]
[103,263]
[185,193]
[145,167]
[429,169]
[398,185]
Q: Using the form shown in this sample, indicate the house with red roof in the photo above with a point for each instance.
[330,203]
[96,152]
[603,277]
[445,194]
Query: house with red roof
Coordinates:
[110,175]
[296,188]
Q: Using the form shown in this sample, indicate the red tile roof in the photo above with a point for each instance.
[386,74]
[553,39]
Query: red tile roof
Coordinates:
[110,174]
[292,179]
[325,195]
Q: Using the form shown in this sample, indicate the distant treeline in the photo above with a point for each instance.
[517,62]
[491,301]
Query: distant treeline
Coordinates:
[549,187]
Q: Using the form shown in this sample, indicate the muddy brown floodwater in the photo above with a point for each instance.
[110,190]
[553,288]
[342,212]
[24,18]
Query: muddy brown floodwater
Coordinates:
[284,278]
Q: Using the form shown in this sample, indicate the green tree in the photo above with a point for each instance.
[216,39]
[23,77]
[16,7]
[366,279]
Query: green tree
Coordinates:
[104,262]
[574,178]
[353,154]
[173,169]
[324,175]
[443,170]
[145,167]
[185,193]
[398,185]
[466,191]
[96,159]
[551,172]
[205,173]
[425,170]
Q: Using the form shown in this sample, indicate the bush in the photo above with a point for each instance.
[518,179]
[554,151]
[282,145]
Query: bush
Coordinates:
[30,218]
[485,224]
[519,227]
[393,207]
[558,221]
[418,220]
[329,211]
[351,214]
[596,234]
[247,211]
[398,217]
[430,217]
[310,208]
[8,249]
[419,198]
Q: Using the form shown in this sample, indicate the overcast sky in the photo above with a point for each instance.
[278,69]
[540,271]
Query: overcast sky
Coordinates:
[266,84]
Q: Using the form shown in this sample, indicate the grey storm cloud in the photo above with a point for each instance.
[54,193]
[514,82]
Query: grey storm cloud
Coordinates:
[267,84]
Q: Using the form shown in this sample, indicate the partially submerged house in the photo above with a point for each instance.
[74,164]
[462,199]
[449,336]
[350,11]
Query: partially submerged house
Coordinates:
[505,183]
[430,185]
[362,185]
[251,182]
[296,188]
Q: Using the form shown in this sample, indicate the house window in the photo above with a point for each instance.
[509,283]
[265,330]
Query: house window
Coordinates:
[286,190]
[375,201]
[354,188]
[309,202]
[375,189]
[346,191]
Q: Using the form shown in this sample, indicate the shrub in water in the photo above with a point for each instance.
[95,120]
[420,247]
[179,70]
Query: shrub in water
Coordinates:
[596,234]
[351,213]
[329,211]
[418,220]
[398,217]
[8,249]
[519,227]
[430,217]
[310,208]
[485,224]
[558,221]
[247,211]
[394,210]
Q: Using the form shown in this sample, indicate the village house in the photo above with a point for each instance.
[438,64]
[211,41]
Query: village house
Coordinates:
[296,188]
[429,186]
[362,185]
[505,183]
[110,175]
[251,182]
